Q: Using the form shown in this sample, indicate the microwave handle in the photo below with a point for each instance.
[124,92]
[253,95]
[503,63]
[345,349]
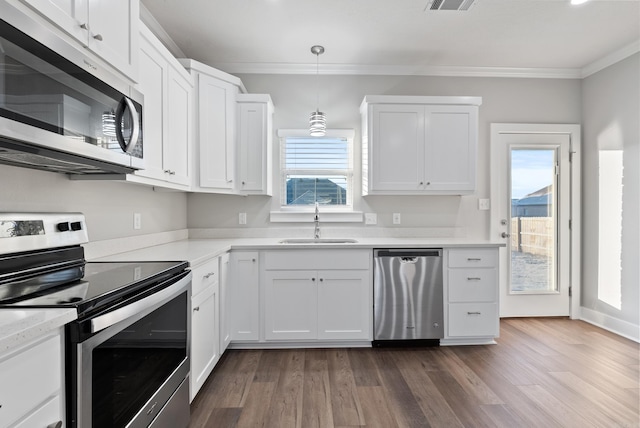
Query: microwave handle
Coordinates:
[125,103]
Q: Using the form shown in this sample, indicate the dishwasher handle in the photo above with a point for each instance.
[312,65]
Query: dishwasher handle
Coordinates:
[409,253]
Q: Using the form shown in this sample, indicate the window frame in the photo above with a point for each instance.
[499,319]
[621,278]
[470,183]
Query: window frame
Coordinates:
[347,134]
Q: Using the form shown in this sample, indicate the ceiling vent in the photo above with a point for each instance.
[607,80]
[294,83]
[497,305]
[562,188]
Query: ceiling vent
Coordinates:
[449,4]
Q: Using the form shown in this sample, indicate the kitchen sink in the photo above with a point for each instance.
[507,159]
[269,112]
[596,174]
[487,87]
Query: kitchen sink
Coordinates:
[318,241]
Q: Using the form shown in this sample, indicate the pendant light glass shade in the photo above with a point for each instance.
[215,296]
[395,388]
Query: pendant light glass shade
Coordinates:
[317,124]
[317,119]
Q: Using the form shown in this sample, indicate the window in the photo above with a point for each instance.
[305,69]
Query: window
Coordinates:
[316,169]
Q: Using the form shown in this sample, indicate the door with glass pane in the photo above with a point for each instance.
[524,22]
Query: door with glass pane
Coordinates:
[531,194]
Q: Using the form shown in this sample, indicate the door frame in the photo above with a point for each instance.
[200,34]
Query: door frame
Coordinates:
[575,229]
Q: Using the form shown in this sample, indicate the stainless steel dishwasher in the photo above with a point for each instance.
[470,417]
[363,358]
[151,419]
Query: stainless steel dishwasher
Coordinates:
[408,304]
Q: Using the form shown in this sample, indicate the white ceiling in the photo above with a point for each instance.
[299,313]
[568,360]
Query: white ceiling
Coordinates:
[494,37]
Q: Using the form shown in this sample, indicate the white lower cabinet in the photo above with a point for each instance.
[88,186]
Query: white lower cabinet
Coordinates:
[317,295]
[31,384]
[225,329]
[205,324]
[471,296]
[243,296]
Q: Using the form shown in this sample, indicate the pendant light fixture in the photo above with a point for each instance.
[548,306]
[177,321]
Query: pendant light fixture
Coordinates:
[317,120]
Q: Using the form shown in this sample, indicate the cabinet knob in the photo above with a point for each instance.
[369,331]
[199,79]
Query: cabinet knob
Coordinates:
[505,234]
[313,279]
[421,183]
[55,425]
[321,279]
[84,26]
[98,37]
[428,183]
[196,309]
[253,260]
[243,183]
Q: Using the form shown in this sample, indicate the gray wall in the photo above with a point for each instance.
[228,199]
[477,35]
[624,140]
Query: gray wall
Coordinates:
[611,120]
[504,100]
[108,206]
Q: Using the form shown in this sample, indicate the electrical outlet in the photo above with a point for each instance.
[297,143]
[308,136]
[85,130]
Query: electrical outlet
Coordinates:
[242,218]
[370,218]
[484,204]
[137,221]
[396,218]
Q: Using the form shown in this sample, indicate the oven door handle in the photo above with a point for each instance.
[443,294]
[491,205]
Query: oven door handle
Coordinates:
[147,304]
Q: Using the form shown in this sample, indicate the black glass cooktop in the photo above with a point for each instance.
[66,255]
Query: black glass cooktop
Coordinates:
[103,283]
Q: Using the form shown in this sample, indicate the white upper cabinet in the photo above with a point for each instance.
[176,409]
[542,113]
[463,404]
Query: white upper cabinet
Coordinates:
[419,145]
[255,130]
[109,28]
[167,91]
[216,94]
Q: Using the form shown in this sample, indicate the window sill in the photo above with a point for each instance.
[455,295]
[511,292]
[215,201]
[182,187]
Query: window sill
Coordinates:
[308,217]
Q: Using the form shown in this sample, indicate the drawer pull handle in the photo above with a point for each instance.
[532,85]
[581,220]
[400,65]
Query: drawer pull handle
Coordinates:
[474,259]
[196,309]
[209,275]
[473,278]
[152,408]
[474,313]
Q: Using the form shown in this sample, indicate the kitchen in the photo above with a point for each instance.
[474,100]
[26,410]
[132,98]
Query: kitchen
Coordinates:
[595,101]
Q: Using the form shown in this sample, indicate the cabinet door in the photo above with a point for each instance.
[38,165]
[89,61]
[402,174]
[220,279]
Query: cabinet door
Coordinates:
[290,307]
[344,305]
[178,113]
[243,296]
[225,331]
[153,69]
[69,15]
[204,337]
[113,33]
[450,148]
[216,117]
[396,145]
[252,148]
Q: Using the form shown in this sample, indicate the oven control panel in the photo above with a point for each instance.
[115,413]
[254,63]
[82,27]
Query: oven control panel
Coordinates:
[34,231]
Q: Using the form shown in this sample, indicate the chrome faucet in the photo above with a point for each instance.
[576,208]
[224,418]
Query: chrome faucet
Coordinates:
[316,219]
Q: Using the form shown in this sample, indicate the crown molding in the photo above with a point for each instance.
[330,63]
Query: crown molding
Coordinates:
[611,59]
[399,70]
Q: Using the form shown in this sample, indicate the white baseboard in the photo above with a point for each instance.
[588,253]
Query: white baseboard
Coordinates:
[612,324]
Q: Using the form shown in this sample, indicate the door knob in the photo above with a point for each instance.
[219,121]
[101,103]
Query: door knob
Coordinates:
[505,235]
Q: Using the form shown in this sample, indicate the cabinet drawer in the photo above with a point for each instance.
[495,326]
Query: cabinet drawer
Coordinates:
[473,285]
[204,276]
[317,259]
[49,413]
[28,378]
[473,319]
[473,257]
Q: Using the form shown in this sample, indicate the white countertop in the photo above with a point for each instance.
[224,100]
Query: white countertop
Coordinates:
[197,251]
[19,326]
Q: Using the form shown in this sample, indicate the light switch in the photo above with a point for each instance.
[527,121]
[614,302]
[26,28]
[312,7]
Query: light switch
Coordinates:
[242,218]
[396,218]
[484,204]
[137,221]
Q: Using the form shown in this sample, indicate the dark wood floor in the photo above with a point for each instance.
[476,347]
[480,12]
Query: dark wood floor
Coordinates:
[542,373]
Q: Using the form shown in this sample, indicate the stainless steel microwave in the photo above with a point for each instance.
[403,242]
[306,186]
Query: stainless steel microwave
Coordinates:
[57,116]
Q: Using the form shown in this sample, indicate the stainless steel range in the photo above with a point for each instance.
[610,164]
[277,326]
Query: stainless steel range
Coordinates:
[127,362]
